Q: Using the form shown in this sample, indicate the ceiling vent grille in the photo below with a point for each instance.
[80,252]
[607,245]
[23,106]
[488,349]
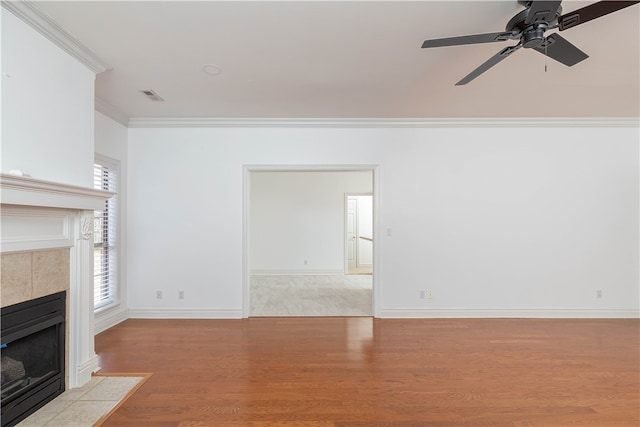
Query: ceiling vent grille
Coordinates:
[151,95]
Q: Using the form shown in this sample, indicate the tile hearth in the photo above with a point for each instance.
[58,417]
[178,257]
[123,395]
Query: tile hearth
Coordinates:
[84,406]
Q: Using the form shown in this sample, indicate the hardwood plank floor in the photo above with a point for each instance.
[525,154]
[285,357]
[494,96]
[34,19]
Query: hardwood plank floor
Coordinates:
[364,372]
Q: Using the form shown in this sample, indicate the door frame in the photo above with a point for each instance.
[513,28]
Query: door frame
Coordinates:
[246,237]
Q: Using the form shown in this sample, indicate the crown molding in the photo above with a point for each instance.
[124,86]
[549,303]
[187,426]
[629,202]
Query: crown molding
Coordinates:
[111,111]
[37,19]
[193,122]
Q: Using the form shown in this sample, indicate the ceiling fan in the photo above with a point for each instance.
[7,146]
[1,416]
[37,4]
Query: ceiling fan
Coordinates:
[529,26]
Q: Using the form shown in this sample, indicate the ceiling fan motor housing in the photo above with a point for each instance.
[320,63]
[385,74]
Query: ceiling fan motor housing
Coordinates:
[532,33]
[533,37]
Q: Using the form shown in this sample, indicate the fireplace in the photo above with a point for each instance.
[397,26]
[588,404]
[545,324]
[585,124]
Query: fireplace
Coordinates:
[46,246]
[33,354]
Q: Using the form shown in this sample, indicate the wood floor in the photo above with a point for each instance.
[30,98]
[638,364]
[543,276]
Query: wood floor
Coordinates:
[364,372]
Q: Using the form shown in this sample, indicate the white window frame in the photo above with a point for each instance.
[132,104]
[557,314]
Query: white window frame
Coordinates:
[110,234]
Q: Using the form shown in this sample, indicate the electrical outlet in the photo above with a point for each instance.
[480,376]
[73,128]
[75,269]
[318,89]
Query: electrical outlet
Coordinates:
[421,294]
[599,294]
[180,294]
[159,294]
[429,294]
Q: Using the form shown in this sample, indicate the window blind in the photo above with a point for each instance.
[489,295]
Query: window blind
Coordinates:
[105,245]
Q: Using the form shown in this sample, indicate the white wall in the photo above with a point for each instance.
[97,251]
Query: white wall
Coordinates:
[110,138]
[47,108]
[48,132]
[111,141]
[298,216]
[494,221]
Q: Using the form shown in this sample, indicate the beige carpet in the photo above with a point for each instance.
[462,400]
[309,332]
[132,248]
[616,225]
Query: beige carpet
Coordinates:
[312,295]
[87,406]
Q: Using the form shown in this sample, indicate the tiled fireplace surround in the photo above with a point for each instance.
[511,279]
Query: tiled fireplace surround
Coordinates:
[47,247]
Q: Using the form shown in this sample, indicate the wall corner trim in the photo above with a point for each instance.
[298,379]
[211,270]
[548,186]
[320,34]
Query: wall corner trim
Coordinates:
[37,19]
[111,111]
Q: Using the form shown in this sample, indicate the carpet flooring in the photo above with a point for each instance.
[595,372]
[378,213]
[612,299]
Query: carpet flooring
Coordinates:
[313,295]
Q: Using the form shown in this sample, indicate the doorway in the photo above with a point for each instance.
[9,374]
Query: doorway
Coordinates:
[305,259]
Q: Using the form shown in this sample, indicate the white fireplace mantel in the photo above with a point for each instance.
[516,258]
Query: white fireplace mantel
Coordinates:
[37,215]
[27,191]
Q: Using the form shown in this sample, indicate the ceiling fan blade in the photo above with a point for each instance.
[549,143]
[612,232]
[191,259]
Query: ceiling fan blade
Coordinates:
[473,39]
[593,11]
[489,63]
[542,11]
[557,47]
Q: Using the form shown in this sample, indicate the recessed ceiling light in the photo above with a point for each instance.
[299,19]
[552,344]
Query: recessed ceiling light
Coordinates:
[212,69]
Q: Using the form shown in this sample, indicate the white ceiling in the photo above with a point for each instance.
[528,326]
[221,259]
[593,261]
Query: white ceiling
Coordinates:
[340,59]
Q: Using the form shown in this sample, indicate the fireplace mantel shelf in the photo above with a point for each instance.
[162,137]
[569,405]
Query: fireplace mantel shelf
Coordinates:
[27,191]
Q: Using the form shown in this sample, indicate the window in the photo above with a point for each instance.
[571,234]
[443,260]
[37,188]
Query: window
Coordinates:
[105,234]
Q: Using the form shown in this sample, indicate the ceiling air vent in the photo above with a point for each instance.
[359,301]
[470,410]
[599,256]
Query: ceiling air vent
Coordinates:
[151,95]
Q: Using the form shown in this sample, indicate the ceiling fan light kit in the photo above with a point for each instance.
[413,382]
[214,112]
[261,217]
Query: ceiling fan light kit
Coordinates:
[529,26]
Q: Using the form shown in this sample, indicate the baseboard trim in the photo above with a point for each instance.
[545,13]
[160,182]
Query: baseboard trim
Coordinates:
[391,313]
[435,313]
[84,371]
[296,273]
[169,313]
[109,318]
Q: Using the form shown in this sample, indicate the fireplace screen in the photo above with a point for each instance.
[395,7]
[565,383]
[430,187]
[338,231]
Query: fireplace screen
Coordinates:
[32,356]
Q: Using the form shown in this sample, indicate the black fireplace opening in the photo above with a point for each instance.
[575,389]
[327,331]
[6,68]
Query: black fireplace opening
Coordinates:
[32,356]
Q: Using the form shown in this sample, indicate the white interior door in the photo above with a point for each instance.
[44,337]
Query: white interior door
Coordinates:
[359,234]
[351,234]
[364,232]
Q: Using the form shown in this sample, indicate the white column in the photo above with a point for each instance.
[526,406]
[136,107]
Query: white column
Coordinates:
[83,360]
